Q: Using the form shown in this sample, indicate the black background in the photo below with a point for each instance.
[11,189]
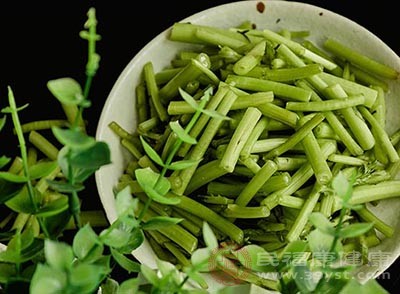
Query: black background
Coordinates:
[39,41]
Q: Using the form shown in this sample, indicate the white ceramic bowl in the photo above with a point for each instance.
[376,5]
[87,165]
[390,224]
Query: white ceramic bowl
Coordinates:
[293,16]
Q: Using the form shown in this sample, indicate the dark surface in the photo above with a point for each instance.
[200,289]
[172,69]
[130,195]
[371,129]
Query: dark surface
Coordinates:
[40,42]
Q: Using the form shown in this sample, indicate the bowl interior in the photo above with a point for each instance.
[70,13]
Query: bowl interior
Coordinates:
[120,104]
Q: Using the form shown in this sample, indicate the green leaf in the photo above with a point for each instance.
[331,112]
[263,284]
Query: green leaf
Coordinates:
[149,274]
[8,190]
[62,159]
[125,204]
[22,202]
[32,251]
[54,207]
[329,285]
[295,252]
[148,179]
[158,222]
[320,244]
[130,286]
[7,271]
[3,122]
[342,187]
[305,280]
[86,244]
[10,177]
[181,133]
[370,287]
[197,277]
[209,237]
[189,99]
[66,90]
[168,269]
[103,263]
[82,174]
[42,169]
[215,114]
[91,158]
[79,174]
[122,238]
[58,254]
[9,110]
[256,258]
[73,138]
[47,280]
[85,278]
[57,223]
[126,263]
[183,164]
[193,103]
[320,222]
[110,286]
[200,259]
[64,187]
[4,160]
[22,247]
[354,230]
[151,152]
[114,237]
[135,240]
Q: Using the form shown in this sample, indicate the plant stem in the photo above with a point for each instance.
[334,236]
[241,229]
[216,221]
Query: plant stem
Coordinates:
[24,156]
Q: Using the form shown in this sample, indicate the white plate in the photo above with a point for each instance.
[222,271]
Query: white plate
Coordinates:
[277,15]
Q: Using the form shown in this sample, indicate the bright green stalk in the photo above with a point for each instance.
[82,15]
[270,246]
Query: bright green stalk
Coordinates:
[187,32]
[299,49]
[214,219]
[280,114]
[285,74]
[337,126]
[201,147]
[254,135]
[251,164]
[367,216]
[381,135]
[190,72]
[360,60]
[298,136]
[289,163]
[205,174]
[302,218]
[204,118]
[252,58]
[300,177]
[256,183]
[347,160]
[120,131]
[153,91]
[43,125]
[326,105]
[165,75]
[131,147]
[369,193]
[358,126]
[42,144]
[351,88]
[238,211]
[175,233]
[318,163]
[282,90]
[239,138]
[148,125]
[142,107]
